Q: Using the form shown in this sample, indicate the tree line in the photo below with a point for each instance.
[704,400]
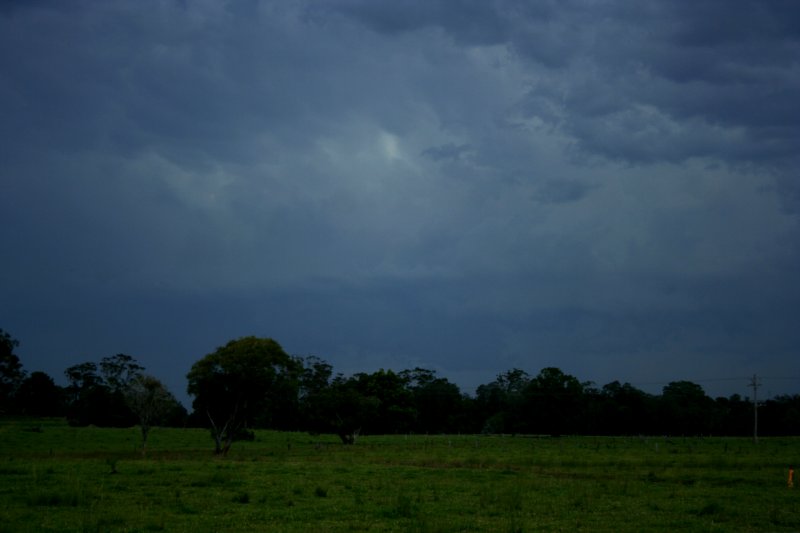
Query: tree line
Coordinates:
[252,382]
[114,393]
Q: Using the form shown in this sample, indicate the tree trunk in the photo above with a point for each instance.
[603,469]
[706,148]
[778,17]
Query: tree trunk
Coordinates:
[217,443]
[145,432]
[349,438]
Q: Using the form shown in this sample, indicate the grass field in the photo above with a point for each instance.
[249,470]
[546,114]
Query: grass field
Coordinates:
[57,478]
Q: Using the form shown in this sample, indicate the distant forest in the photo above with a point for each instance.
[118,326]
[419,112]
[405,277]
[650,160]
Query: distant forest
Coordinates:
[251,383]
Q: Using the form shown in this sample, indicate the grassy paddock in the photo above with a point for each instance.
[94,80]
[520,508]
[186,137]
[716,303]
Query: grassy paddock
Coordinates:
[57,478]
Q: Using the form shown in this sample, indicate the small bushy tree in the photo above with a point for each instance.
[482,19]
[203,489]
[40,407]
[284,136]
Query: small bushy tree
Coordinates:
[151,402]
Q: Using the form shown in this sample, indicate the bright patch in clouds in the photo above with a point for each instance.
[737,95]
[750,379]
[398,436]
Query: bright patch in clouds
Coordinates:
[606,187]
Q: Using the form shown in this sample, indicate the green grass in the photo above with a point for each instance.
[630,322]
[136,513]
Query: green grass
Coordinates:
[57,478]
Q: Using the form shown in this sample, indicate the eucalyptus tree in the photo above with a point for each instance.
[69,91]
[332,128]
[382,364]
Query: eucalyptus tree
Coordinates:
[119,371]
[501,403]
[685,409]
[151,402]
[239,383]
[554,401]
[95,394]
[438,403]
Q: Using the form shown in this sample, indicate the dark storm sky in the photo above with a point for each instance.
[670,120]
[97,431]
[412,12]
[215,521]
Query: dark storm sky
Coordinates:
[609,187]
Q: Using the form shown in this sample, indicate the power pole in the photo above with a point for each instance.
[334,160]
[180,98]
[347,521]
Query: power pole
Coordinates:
[755,384]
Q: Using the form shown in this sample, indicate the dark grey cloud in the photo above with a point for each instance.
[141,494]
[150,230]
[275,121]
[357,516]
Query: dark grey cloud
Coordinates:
[654,81]
[473,22]
[609,188]
[447,151]
[673,83]
[561,191]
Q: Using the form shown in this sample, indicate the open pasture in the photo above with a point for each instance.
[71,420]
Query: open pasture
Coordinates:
[58,478]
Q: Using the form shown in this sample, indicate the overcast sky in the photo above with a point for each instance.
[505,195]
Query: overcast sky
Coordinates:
[609,187]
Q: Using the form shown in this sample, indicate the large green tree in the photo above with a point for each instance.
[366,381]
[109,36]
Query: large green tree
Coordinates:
[620,409]
[685,409]
[500,404]
[346,409]
[389,391]
[438,404]
[239,383]
[553,401]
[38,395]
[377,403]
[96,395]
[315,394]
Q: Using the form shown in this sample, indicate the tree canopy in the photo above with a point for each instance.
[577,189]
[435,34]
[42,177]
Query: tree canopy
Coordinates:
[151,402]
[239,383]
[95,396]
[252,382]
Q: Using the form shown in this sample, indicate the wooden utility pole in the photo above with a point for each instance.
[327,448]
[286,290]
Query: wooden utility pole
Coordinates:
[755,384]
